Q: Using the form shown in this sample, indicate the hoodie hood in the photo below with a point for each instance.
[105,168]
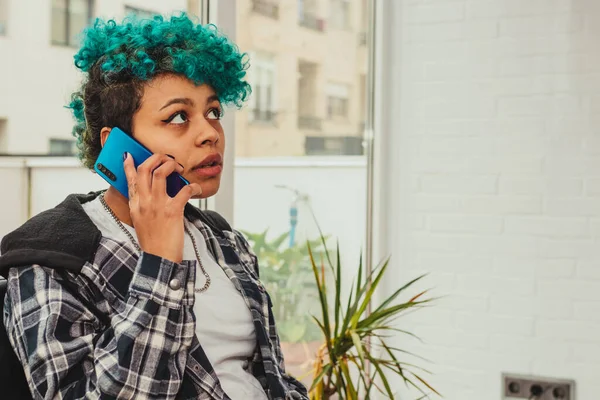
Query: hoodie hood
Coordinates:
[63,237]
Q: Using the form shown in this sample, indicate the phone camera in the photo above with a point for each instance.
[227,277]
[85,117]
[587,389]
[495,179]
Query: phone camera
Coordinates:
[107,172]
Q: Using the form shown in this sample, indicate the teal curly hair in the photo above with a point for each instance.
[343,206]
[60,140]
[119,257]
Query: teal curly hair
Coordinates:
[117,59]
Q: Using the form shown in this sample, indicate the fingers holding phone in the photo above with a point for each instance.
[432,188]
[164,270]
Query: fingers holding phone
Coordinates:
[157,217]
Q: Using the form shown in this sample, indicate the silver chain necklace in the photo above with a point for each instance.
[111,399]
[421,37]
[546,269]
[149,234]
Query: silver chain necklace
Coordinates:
[138,248]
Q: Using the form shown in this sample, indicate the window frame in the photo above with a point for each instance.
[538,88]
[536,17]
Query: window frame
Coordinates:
[62,141]
[262,62]
[346,23]
[67,39]
[338,100]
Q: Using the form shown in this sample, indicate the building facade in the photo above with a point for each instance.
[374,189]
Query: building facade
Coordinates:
[308,66]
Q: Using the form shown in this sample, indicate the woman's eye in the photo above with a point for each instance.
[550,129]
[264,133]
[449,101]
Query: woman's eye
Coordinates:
[214,114]
[177,118]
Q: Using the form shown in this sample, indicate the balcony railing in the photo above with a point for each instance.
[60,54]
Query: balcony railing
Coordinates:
[263,115]
[332,145]
[267,8]
[310,21]
[309,122]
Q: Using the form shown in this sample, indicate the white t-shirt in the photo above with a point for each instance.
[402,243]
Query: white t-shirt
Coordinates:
[224,324]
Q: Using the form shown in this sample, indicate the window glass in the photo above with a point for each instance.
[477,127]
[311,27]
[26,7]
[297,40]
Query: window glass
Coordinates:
[59,22]
[299,153]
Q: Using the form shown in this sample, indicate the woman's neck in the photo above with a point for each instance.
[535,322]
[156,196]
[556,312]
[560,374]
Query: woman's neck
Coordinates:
[119,205]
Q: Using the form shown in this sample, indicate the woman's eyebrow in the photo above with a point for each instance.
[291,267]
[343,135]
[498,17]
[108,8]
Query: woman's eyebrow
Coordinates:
[179,100]
[212,98]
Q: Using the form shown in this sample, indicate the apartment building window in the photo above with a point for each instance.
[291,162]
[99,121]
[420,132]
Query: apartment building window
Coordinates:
[3,16]
[63,147]
[337,100]
[69,18]
[308,92]
[142,14]
[268,8]
[340,14]
[307,15]
[262,79]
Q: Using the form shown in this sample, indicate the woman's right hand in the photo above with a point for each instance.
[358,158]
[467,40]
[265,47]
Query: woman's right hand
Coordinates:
[157,217]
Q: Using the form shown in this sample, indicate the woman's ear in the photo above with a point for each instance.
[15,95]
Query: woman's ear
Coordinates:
[104,135]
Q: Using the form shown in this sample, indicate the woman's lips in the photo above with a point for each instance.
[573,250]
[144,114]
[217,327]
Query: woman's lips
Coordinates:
[209,171]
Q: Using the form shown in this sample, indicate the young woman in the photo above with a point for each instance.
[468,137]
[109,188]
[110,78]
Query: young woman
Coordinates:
[139,298]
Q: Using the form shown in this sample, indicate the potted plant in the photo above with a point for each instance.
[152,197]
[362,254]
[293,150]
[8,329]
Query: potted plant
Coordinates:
[355,356]
[346,345]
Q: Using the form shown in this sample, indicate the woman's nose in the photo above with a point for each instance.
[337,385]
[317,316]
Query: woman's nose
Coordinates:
[207,135]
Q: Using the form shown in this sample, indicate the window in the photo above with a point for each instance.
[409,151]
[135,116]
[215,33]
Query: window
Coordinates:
[69,18]
[262,79]
[268,8]
[307,15]
[337,101]
[308,117]
[63,147]
[289,174]
[340,14]
[142,14]
[3,16]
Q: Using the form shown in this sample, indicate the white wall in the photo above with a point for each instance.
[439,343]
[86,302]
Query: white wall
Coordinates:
[492,117]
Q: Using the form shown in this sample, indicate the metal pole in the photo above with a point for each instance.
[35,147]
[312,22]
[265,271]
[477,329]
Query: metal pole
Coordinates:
[369,138]
[223,13]
[370,150]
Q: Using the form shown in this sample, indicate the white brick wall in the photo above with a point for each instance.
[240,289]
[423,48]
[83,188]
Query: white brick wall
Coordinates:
[494,107]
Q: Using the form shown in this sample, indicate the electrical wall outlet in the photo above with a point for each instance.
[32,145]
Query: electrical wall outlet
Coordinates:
[519,387]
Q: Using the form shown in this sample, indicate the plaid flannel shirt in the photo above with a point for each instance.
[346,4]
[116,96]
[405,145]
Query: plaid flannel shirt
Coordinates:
[149,349]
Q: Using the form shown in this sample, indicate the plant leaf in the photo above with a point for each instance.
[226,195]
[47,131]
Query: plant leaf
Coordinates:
[426,384]
[358,345]
[397,292]
[382,376]
[338,291]
[372,285]
[350,389]
[277,242]
[382,314]
[324,305]
[319,378]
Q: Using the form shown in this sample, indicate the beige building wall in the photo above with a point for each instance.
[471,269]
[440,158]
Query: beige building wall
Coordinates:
[335,55]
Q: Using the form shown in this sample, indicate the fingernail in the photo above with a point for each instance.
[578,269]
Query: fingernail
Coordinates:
[180,164]
[168,155]
[125,156]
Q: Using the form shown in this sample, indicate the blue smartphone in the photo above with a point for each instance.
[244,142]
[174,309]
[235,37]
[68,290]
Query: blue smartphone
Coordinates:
[109,164]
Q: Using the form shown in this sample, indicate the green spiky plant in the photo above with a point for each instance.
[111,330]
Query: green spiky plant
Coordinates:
[349,364]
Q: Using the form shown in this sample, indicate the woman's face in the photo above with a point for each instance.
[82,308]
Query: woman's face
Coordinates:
[180,119]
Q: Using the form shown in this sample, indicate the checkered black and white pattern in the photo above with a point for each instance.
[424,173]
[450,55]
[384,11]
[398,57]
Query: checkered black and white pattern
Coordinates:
[149,349]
